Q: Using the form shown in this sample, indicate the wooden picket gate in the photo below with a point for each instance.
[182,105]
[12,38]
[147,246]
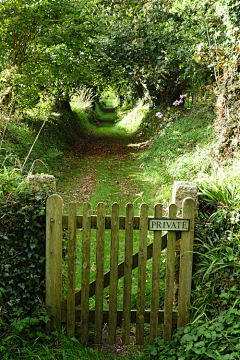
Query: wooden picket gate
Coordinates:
[76,307]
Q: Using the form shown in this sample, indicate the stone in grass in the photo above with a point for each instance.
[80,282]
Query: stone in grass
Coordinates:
[36,182]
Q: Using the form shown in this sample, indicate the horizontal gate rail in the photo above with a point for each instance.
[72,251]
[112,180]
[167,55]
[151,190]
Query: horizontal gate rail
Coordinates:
[79,218]
[119,316]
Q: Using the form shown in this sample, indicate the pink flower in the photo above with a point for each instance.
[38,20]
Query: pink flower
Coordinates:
[159,115]
[168,108]
[178,102]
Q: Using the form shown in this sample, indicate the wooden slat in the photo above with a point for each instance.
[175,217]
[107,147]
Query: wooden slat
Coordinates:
[71,274]
[142,261]
[113,274]
[127,274]
[100,236]
[160,316]
[53,298]
[86,236]
[169,278]
[186,260]
[156,262]
[120,270]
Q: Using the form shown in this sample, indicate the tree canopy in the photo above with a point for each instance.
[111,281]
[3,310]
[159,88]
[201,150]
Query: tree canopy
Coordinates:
[159,48]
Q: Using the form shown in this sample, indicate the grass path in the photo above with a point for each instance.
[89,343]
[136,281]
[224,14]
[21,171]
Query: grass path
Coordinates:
[105,168]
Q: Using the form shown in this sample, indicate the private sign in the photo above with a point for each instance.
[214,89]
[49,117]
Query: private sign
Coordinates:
[169,224]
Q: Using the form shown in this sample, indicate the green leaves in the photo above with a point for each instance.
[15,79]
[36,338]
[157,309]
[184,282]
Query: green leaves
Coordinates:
[22,253]
[47,44]
[216,339]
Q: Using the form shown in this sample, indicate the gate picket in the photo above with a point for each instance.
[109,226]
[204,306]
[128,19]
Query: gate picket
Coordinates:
[99,273]
[86,238]
[156,262]
[142,262]
[71,274]
[126,321]
[169,278]
[112,324]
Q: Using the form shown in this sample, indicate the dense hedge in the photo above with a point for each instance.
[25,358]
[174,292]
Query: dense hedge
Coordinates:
[22,253]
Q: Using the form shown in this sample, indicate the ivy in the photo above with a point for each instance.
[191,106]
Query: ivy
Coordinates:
[22,253]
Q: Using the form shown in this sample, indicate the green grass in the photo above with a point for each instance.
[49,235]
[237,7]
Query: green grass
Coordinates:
[117,181]
[26,339]
[180,148]
[131,121]
[102,116]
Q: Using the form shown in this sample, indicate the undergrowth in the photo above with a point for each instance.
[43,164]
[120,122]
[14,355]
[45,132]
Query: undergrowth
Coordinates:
[202,339]
[27,339]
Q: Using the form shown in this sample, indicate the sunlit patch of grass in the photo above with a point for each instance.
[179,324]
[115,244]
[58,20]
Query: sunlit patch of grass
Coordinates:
[109,129]
[133,119]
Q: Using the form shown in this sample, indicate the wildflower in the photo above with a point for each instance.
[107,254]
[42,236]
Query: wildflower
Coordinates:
[183,96]
[168,108]
[159,115]
[178,102]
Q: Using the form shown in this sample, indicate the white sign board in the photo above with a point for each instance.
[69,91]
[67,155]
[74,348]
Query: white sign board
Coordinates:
[166,224]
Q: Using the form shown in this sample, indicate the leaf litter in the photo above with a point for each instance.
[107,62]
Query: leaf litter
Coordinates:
[101,160]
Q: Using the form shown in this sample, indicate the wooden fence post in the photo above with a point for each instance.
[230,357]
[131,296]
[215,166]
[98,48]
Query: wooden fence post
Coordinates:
[54,260]
[186,261]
